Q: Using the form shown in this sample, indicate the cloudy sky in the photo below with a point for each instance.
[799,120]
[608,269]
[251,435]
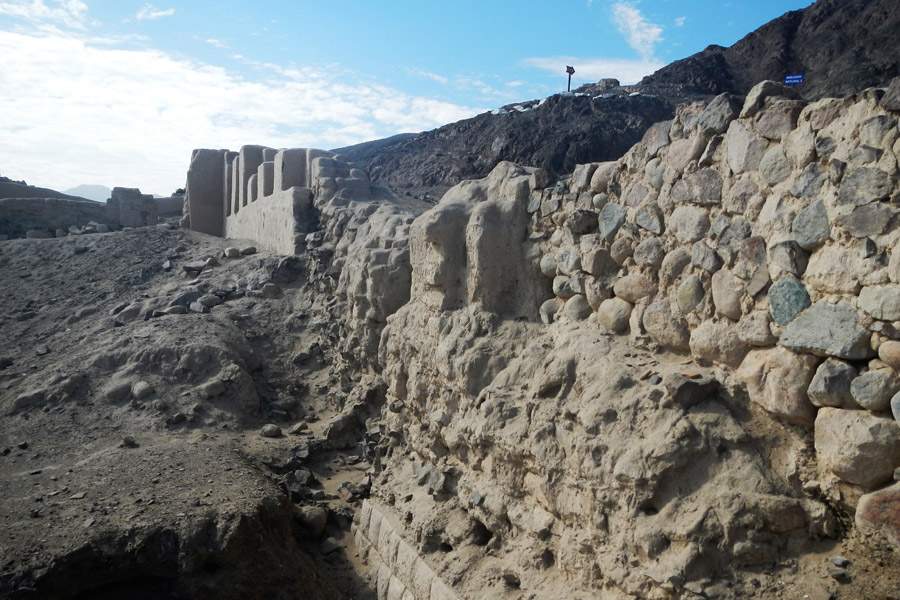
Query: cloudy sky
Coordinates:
[118,92]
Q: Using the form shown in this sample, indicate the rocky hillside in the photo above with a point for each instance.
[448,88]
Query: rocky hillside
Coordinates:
[842,46]
[554,134]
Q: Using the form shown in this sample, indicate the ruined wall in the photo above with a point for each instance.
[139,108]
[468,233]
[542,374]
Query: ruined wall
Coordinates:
[663,371]
[745,253]
[399,571]
[49,217]
[21,215]
[267,195]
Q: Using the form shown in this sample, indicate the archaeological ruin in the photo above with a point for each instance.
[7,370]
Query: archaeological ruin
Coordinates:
[656,371]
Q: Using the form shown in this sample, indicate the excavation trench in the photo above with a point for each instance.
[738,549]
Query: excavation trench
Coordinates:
[265,553]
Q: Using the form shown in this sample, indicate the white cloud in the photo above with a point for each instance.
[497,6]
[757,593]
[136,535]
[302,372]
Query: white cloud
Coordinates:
[428,75]
[487,91]
[640,34]
[86,113]
[679,21]
[216,43]
[67,12]
[593,69]
[149,13]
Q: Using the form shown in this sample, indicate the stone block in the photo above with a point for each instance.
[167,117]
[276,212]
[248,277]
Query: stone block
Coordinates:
[777,380]
[864,185]
[830,386]
[689,224]
[756,97]
[614,314]
[664,328]
[650,253]
[204,193]
[828,330]
[265,179]
[874,389]
[879,512]
[404,566]
[743,148]
[690,293]
[250,159]
[857,446]
[382,581]
[441,591]
[577,308]
[374,526]
[811,227]
[868,220]
[611,218]
[774,167]
[395,589]
[721,111]
[602,175]
[727,291]
[389,552]
[881,301]
[787,299]
[754,329]
[422,580]
[718,341]
[633,287]
[703,187]
[779,119]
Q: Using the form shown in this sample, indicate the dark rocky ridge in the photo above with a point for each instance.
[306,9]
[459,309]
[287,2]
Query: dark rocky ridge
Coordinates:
[555,134]
[842,46]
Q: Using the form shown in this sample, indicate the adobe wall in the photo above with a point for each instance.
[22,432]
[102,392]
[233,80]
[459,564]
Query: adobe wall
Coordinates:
[267,195]
[21,215]
[49,217]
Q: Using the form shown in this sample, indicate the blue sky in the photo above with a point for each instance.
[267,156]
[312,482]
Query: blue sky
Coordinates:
[116,92]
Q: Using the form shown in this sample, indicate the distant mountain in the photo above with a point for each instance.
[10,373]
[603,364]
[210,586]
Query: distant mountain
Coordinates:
[841,47]
[100,193]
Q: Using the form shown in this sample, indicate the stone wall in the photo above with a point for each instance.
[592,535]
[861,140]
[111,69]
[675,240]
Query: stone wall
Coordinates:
[758,235]
[49,217]
[171,206]
[710,383]
[398,570]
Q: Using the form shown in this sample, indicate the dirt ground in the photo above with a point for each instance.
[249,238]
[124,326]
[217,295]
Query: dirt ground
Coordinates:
[91,476]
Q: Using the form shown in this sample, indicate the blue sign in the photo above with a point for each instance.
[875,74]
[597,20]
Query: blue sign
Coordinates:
[796,79]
